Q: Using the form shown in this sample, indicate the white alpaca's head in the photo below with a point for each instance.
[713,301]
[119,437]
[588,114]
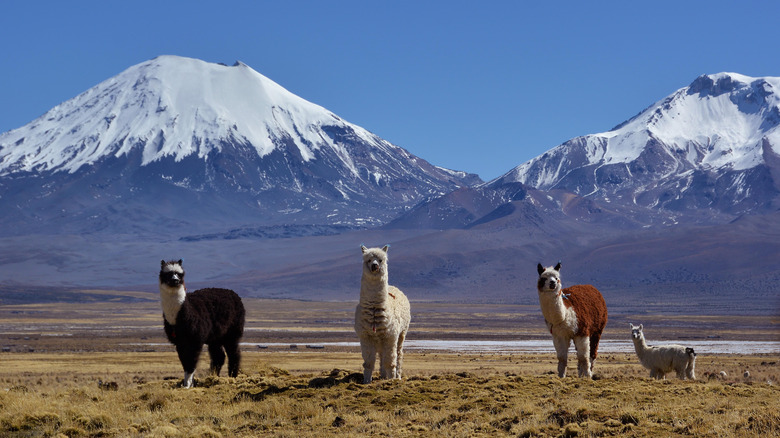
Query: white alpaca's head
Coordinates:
[171,274]
[636,332]
[375,262]
[549,278]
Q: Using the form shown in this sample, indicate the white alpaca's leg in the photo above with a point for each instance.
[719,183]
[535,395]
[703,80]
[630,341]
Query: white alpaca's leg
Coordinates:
[690,372]
[389,357]
[400,355]
[582,344]
[369,358]
[562,351]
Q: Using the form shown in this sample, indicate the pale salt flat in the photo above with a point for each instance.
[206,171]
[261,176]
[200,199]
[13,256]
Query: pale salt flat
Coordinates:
[702,346]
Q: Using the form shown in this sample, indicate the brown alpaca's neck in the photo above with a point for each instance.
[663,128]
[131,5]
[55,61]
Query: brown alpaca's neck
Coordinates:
[553,307]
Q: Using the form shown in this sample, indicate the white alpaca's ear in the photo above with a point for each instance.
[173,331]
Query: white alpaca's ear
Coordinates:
[385,248]
[539,268]
[363,248]
[640,327]
[558,267]
[179,262]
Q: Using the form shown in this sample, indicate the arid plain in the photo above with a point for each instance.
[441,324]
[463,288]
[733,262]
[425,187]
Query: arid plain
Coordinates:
[102,367]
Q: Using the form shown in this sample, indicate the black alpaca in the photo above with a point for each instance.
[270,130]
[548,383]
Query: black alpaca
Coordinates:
[209,316]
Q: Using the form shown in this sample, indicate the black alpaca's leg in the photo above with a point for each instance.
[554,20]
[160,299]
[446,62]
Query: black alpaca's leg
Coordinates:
[188,356]
[234,357]
[217,357]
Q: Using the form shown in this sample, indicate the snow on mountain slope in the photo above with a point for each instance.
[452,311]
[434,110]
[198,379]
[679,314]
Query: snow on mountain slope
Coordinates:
[714,143]
[225,144]
[176,107]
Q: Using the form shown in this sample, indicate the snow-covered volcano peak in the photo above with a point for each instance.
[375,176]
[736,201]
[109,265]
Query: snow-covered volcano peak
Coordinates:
[174,106]
[720,83]
[174,133]
[707,134]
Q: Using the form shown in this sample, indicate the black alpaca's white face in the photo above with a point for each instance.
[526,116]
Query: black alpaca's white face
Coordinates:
[636,332]
[549,278]
[171,273]
[374,260]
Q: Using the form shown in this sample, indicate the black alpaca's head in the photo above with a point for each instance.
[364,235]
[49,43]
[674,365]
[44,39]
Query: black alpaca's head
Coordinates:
[171,273]
[549,278]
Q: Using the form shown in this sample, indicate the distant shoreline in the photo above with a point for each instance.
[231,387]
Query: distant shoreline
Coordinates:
[702,346]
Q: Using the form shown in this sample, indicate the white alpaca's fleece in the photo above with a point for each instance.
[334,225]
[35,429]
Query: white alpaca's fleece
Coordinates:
[664,359]
[381,318]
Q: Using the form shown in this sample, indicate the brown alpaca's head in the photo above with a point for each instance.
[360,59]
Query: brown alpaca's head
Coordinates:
[549,278]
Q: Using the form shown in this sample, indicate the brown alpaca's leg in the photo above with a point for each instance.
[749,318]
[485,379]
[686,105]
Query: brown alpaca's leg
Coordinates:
[594,348]
[562,351]
[582,344]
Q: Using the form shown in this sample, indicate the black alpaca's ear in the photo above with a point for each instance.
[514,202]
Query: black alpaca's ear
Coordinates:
[558,267]
[162,263]
[539,268]
[179,262]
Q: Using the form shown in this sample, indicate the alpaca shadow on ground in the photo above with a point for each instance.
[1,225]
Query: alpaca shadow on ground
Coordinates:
[336,377]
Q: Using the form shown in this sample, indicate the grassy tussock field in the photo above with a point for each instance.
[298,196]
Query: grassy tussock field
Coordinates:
[317,394]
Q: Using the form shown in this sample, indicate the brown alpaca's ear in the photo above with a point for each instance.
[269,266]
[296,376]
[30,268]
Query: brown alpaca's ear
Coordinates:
[558,267]
[539,268]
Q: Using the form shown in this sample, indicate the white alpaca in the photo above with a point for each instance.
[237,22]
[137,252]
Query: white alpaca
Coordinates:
[664,359]
[381,318]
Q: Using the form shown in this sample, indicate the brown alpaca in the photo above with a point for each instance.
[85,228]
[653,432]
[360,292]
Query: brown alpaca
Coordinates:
[577,312]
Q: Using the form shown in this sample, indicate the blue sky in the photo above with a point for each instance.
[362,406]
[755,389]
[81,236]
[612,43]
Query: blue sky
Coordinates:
[476,86]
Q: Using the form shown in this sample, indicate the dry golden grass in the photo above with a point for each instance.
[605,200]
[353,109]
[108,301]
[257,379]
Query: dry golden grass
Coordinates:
[443,394]
[105,369]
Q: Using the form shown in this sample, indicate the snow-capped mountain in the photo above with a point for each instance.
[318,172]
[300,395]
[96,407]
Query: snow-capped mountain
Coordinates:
[182,140]
[714,144]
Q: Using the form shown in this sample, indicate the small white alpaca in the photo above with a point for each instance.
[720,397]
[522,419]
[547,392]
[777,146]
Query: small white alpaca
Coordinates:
[381,318]
[664,359]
